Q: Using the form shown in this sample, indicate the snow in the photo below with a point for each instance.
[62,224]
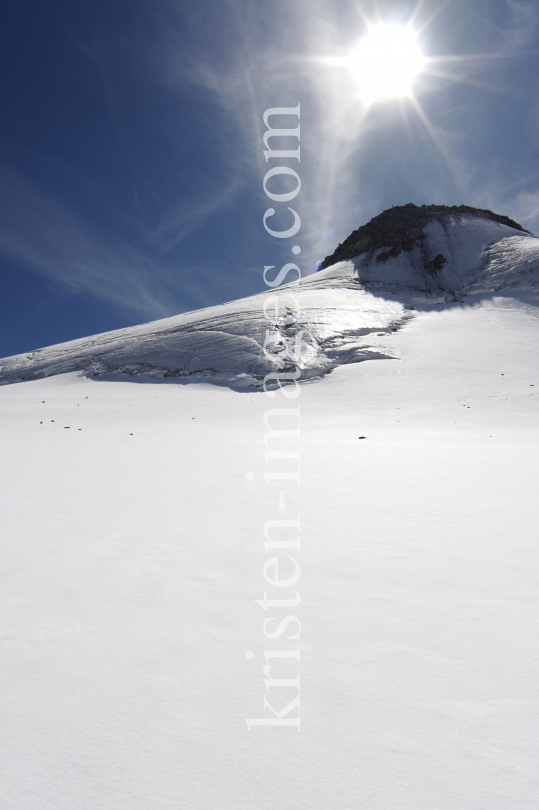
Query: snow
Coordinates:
[314,324]
[132,556]
[226,343]
[470,246]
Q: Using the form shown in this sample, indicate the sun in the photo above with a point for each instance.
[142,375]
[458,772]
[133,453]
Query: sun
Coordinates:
[386,62]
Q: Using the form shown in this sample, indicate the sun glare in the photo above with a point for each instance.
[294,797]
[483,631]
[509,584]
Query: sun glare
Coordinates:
[386,62]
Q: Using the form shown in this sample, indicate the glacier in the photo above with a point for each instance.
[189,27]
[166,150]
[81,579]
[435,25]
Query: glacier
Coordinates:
[322,321]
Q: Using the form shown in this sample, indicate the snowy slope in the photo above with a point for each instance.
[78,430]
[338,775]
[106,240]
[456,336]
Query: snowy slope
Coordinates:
[134,496]
[479,254]
[226,343]
[132,555]
[320,322]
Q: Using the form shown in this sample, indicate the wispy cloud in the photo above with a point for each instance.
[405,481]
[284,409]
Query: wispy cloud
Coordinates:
[188,216]
[247,56]
[267,56]
[523,24]
[43,233]
[180,217]
[270,57]
[526,210]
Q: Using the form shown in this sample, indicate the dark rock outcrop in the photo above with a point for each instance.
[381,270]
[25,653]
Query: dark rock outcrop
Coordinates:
[401,227]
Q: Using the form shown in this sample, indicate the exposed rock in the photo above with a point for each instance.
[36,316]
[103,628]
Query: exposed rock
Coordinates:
[436,264]
[401,227]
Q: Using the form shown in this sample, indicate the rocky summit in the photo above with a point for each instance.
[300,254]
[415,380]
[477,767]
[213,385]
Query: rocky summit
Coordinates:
[401,227]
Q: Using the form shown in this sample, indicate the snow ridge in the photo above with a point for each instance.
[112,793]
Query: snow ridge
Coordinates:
[312,325]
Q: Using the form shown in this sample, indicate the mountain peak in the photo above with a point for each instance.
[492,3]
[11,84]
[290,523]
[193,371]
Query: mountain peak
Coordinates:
[405,259]
[401,227]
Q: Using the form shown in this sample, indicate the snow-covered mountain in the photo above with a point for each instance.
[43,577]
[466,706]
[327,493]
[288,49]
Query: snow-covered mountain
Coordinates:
[137,524]
[336,316]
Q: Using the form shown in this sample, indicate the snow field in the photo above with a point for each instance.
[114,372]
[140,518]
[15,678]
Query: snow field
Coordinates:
[131,565]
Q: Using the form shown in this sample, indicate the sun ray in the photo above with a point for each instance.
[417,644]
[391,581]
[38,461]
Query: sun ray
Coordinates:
[361,12]
[415,13]
[481,57]
[404,108]
[476,83]
[423,26]
[436,141]
[378,69]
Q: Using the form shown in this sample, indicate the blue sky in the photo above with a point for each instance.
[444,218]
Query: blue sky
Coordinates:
[131,157]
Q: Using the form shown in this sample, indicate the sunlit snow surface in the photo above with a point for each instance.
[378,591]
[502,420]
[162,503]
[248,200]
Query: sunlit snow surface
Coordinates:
[320,322]
[226,343]
[132,555]
[132,551]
